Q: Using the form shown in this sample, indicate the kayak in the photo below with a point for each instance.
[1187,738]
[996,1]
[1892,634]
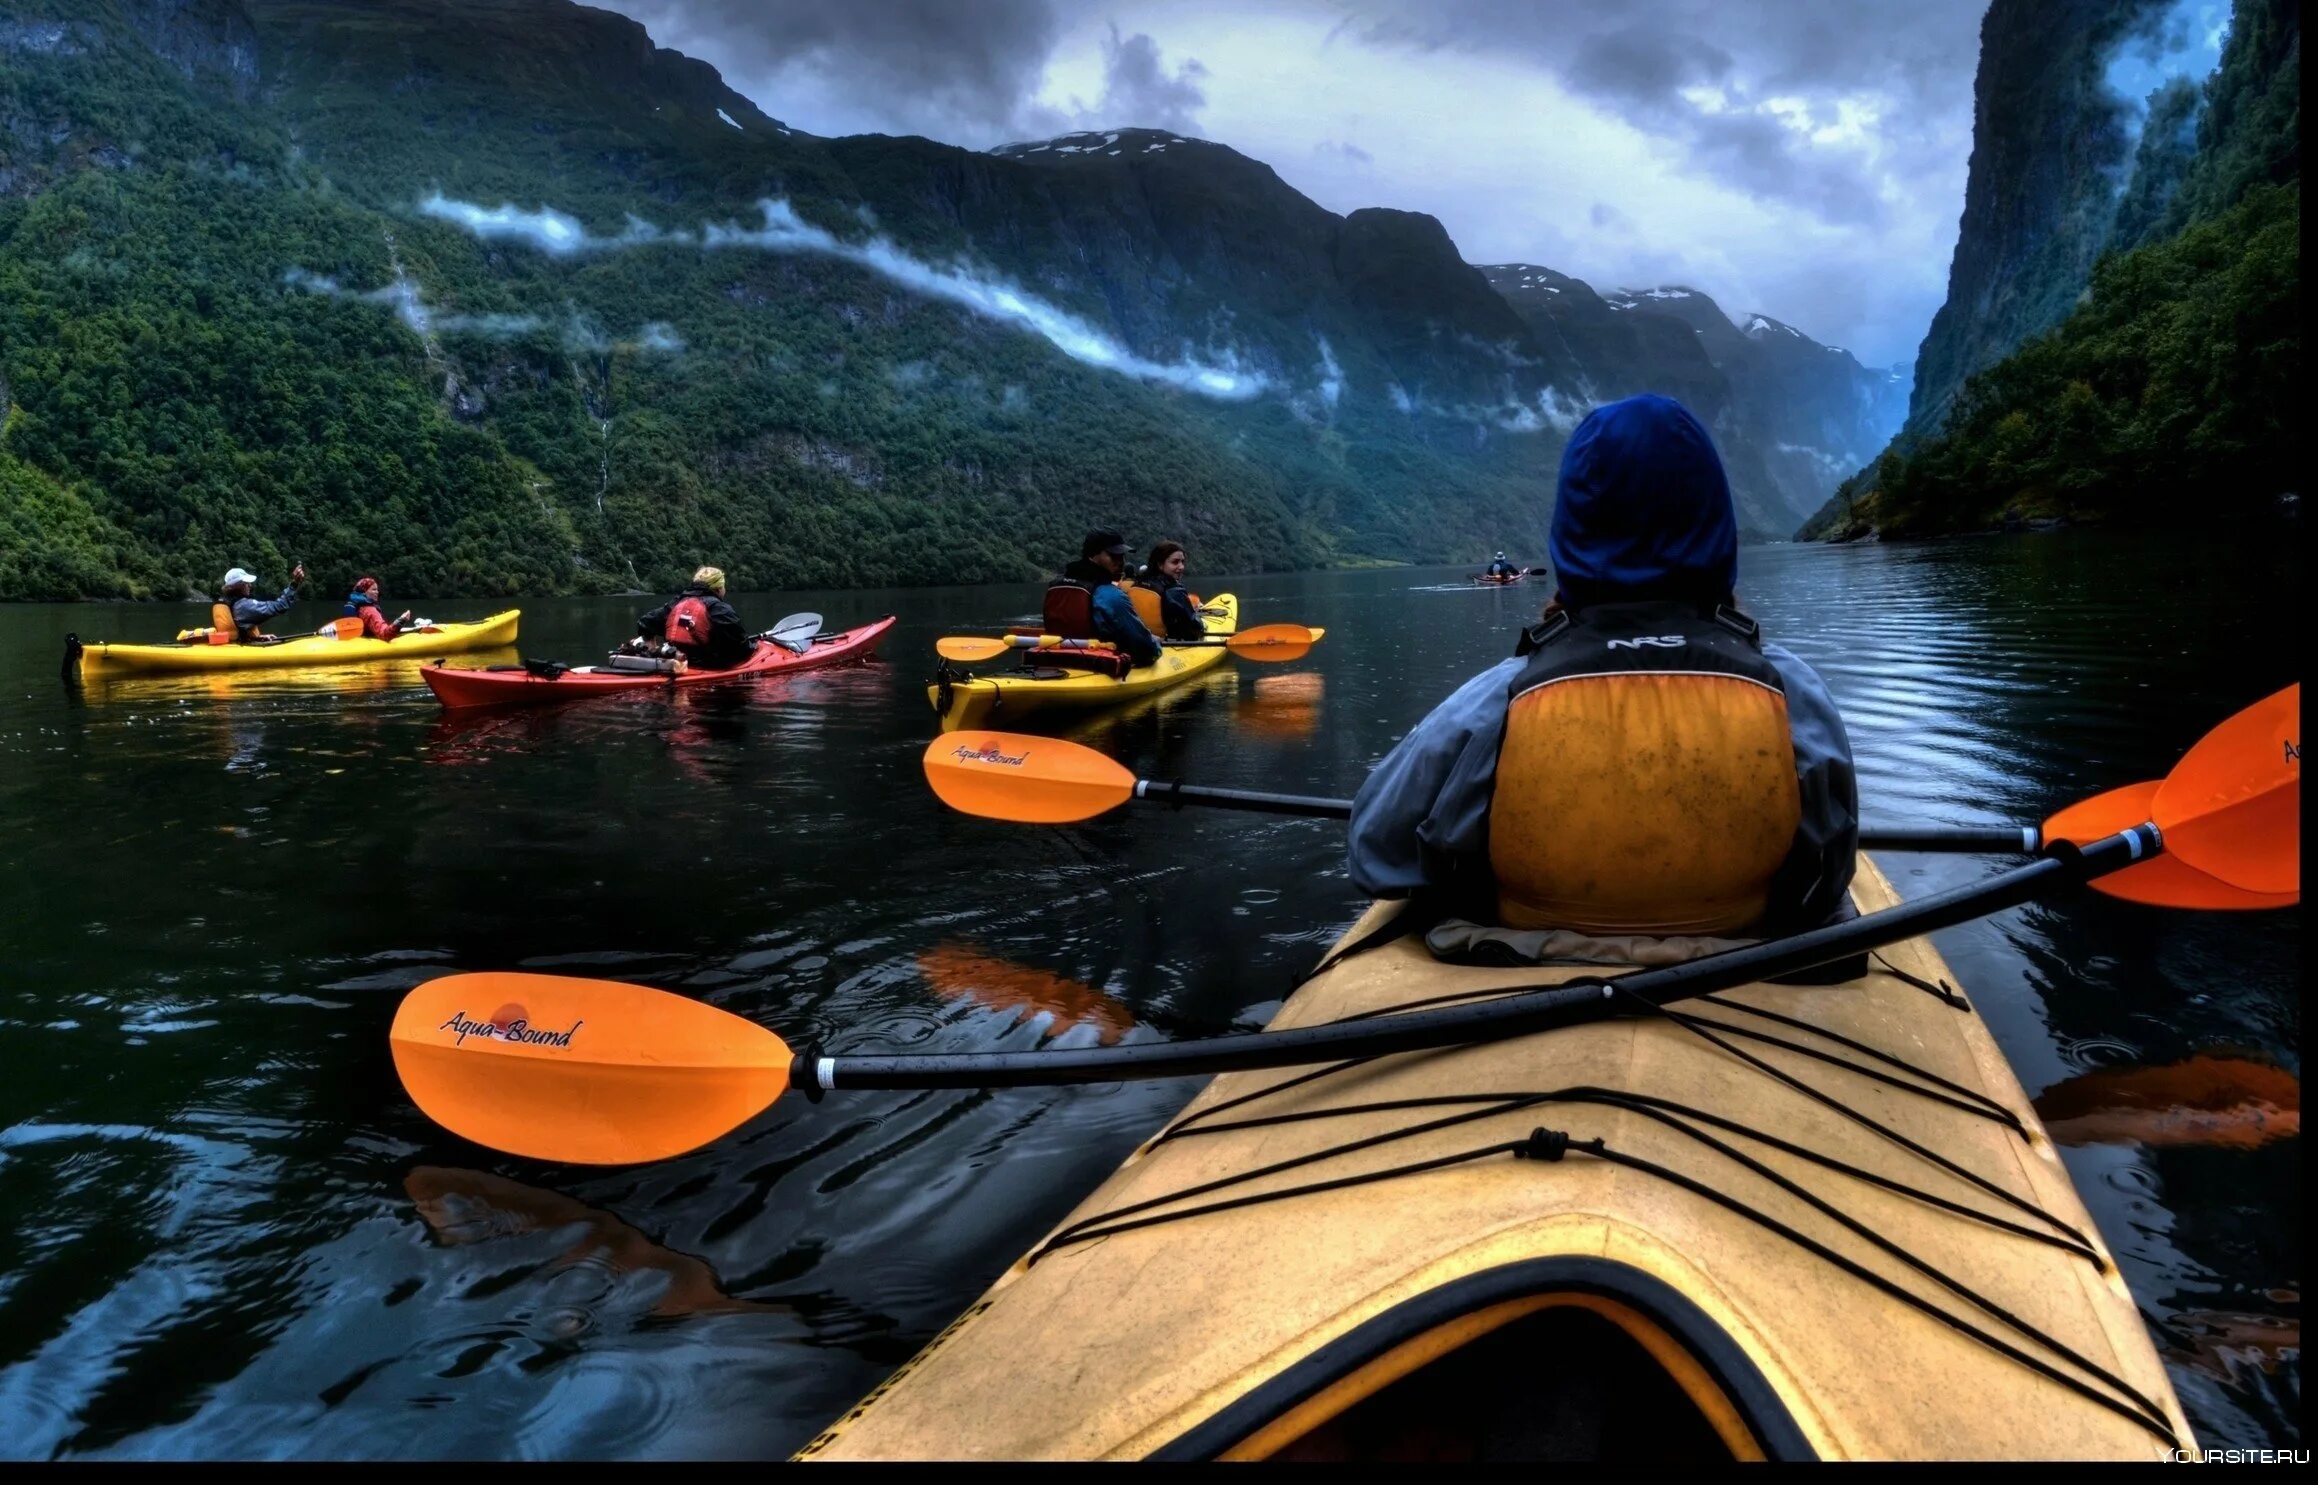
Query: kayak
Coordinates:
[1781,1221]
[1497,581]
[517,685]
[102,657]
[1004,699]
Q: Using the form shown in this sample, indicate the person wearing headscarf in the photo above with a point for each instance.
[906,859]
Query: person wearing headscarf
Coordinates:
[362,603]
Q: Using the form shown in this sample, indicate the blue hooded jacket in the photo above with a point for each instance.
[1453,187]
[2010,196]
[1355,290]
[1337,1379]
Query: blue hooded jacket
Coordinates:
[1644,511]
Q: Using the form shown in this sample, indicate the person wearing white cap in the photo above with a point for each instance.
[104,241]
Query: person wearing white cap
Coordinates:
[243,611]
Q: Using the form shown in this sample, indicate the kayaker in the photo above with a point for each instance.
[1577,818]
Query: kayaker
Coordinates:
[362,603]
[1161,601]
[1644,763]
[1501,569]
[243,612]
[1086,602]
[701,625]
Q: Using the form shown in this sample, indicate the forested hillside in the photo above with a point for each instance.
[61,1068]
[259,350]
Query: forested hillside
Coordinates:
[2165,390]
[497,297]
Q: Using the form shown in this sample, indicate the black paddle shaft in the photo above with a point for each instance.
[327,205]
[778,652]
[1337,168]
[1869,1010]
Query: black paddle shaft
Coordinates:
[1990,838]
[1522,1011]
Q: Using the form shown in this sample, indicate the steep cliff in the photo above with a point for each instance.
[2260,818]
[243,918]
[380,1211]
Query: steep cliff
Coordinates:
[2159,381]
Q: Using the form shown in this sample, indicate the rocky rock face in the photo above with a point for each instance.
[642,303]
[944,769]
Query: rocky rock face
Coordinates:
[2052,148]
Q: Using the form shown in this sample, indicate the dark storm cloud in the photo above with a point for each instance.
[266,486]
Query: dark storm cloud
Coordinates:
[1739,86]
[1138,90]
[941,67]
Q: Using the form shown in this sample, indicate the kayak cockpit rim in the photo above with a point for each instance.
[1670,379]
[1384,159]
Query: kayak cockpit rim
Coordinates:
[1728,1392]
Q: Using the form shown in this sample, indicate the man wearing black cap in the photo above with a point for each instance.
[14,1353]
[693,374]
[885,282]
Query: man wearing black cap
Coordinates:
[1105,612]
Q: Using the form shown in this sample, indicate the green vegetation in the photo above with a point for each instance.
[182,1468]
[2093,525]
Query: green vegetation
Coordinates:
[202,361]
[2168,392]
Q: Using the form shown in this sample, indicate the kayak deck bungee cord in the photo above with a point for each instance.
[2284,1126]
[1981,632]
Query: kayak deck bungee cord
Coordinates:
[1821,1221]
[1808,1213]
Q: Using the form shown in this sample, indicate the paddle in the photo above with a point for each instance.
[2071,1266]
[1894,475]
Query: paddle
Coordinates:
[1264,642]
[794,633]
[599,1072]
[1045,781]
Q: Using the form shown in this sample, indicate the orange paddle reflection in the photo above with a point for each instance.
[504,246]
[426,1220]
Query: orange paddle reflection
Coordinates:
[2219,1342]
[1283,706]
[958,971]
[467,1206]
[2219,1101]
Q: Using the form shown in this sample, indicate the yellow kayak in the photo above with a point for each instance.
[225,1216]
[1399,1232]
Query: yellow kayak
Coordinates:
[305,649]
[1820,1222]
[1004,699]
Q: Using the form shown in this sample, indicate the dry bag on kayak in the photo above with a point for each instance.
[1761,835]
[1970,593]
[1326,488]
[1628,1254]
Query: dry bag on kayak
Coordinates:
[660,659]
[1647,782]
[1099,662]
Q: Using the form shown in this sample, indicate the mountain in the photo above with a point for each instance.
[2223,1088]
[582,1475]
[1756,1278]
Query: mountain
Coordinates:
[1791,416]
[497,296]
[2122,332]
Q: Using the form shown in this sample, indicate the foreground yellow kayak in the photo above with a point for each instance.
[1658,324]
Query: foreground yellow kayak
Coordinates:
[305,649]
[1006,697]
[1818,1222]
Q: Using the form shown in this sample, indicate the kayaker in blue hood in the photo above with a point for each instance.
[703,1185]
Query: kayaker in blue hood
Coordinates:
[1645,764]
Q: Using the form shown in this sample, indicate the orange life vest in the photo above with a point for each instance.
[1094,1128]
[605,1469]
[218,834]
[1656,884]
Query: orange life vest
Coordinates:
[1148,608]
[1647,779]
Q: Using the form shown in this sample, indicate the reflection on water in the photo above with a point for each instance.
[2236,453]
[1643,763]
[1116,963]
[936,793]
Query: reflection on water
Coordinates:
[214,892]
[464,1207]
[957,971]
[2221,1101]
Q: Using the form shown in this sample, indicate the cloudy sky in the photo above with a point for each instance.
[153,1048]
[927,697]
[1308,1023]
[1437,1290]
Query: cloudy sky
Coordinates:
[1804,158]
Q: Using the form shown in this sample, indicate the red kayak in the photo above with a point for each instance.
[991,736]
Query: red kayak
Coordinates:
[520,685]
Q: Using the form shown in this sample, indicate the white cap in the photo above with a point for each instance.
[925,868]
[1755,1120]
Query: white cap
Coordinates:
[237,575]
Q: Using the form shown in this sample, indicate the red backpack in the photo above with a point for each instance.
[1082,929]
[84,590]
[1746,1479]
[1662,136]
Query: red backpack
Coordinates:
[688,622]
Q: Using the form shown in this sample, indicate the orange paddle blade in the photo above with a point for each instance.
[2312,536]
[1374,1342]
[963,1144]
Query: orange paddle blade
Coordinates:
[2161,881]
[1270,642]
[2232,807]
[966,649]
[1030,780]
[592,1072]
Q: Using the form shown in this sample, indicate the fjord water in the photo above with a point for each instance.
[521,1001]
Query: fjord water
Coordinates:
[224,1231]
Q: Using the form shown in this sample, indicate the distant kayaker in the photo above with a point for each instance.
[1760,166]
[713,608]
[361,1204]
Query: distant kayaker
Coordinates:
[1500,568]
[701,625]
[1644,764]
[362,603]
[1161,601]
[1086,602]
[244,613]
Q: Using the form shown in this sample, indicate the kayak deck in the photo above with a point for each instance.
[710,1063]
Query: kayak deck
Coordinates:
[1003,699]
[1289,1325]
[102,657]
[515,686]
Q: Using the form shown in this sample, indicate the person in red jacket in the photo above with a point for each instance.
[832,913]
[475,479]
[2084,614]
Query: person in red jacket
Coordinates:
[362,604]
